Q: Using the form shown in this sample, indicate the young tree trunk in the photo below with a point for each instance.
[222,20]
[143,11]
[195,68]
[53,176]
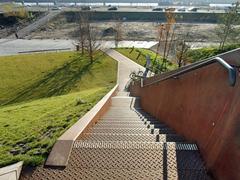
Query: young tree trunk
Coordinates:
[87,36]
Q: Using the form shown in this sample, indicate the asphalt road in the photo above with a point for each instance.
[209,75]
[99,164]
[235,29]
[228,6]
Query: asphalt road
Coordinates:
[16,46]
[122,9]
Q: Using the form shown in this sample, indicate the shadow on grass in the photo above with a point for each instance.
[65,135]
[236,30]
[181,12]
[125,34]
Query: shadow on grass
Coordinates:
[58,82]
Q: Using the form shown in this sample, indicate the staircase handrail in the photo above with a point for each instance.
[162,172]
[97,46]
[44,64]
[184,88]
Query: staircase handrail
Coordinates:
[232,73]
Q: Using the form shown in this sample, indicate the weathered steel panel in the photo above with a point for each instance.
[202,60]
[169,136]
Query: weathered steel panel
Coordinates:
[201,106]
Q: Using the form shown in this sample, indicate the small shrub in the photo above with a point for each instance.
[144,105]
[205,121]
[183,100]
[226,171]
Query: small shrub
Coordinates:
[79,102]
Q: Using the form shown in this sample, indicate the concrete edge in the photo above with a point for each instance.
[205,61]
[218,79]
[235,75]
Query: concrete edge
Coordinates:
[44,50]
[11,172]
[61,150]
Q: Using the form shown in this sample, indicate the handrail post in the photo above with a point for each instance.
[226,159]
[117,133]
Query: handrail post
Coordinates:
[141,79]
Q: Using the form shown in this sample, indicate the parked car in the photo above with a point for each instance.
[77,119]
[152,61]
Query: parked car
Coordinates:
[181,9]
[86,8]
[56,8]
[113,8]
[193,9]
[170,9]
[157,9]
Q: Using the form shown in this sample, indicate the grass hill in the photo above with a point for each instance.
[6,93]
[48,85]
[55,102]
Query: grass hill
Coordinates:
[27,77]
[42,95]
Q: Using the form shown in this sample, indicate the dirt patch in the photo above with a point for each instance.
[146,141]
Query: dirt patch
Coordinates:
[10,24]
[62,28]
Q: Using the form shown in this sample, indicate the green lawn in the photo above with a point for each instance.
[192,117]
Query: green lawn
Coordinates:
[18,72]
[28,77]
[142,58]
[207,52]
[56,92]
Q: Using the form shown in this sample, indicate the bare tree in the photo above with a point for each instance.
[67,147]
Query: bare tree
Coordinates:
[227,25]
[160,37]
[118,32]
[166,35]
[181,52]
[87,35]
[91,40]
[81,32]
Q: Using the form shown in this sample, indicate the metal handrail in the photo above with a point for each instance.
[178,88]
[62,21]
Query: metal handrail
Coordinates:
[232,74]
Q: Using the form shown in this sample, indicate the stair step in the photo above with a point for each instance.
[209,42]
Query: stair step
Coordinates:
[132,137]
[131,123]
[129,130]
[119,120]
[110,121]
[116,173]
[136,145]
[121,108]
[88,154]
[122,118]
[121,137]
[130,119]
[145,116]
[123,93]
[132,127]
[121,101]
[121,114]
[123,125]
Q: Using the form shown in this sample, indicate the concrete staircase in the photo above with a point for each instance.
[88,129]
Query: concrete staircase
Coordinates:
[127,143]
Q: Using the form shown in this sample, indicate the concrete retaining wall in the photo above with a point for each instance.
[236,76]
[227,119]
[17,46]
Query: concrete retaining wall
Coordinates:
[148,16]
[62,148]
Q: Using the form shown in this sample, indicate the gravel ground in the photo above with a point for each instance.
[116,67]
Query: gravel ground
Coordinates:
[145,31]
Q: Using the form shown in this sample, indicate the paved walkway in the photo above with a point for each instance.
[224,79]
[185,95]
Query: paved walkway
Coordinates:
[16,46]
[126,66]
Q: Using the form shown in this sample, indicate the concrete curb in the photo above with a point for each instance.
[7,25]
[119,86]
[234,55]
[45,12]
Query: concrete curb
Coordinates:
[61,150]
[44,50]
[11,172]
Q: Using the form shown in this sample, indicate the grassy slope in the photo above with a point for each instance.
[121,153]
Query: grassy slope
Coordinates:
[204,53]
[50,75]
[142,59]
[29,128]
[17,72]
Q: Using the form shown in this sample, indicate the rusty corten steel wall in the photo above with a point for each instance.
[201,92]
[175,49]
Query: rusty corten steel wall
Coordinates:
[201,106]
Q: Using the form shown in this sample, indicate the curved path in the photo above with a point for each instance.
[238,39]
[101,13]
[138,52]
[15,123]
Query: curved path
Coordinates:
[125,67]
